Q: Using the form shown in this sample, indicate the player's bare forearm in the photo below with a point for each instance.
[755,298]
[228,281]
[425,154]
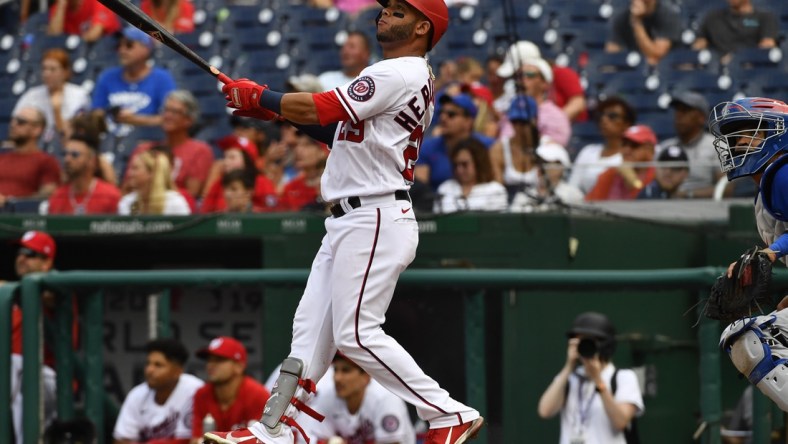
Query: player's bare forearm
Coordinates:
[300,108]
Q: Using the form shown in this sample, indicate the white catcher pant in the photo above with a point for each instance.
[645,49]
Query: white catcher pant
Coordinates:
[344,304]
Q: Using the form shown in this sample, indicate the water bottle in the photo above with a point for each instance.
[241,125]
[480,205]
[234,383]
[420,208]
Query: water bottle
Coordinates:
[208,423]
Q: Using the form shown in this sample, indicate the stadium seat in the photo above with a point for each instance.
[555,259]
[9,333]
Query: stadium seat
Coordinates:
[583,133]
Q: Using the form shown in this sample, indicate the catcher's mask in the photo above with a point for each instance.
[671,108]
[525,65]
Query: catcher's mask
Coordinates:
[747,133]
[597,326]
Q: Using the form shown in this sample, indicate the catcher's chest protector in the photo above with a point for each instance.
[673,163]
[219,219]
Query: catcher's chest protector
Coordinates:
[758,347]
[768,227]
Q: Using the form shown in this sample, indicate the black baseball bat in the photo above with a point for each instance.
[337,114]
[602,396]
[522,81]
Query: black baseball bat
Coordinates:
[132,14]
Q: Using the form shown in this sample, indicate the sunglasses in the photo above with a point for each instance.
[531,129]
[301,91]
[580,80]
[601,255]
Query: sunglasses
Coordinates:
[74,154]
[22,121]
[612,115]
[530,74]
[128,44]
[171,110]
[451,114]
[463,164]
[30,254]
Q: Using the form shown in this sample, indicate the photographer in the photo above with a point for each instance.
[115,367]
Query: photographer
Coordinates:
[594,408]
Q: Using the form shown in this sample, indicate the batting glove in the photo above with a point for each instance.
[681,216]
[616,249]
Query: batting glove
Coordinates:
[244,94]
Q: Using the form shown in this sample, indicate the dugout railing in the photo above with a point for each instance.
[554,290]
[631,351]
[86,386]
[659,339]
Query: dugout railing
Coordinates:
[91,285]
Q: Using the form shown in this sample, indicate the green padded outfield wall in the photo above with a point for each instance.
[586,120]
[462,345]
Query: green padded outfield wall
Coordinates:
[525,345]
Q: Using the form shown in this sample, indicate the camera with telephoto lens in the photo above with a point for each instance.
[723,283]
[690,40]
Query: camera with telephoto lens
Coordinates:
[588,347]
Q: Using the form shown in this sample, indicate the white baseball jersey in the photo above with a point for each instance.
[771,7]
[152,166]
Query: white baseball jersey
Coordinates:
[142,419]
[390,106]
[382,418]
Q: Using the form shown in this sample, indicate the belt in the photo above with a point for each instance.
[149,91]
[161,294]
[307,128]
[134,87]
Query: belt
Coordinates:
[354,202]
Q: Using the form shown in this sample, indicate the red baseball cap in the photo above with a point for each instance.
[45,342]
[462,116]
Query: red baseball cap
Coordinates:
[241,143]
[640,134]
[39,242]
[224,347]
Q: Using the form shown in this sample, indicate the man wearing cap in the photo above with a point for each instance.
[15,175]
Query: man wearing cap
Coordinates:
[648,26]
[27,171]
[231,398]
[626,181]
[88,19]
[360,410]
[690,111]
[536,77]
[36,254]
[552,162]
[159,409]
[133,93]
[354,57]
[668,177]
[192,158]
[566,91]
[455,124]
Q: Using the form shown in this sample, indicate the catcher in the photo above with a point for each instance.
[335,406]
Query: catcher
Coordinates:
[750,139]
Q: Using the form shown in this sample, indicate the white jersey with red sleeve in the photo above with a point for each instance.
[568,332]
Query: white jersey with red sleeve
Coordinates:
[381,418]
[142,419]
[390,105]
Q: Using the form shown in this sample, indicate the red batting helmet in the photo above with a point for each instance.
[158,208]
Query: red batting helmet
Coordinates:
[437,13]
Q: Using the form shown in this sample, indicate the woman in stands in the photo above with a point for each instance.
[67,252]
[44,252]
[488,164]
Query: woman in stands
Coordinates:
[240,153]
[472,187]
[614,116]
[58,99]
[153,191]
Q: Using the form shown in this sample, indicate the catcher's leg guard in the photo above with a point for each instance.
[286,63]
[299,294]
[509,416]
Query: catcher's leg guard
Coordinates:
[757,348]
[775,386]
[283,391]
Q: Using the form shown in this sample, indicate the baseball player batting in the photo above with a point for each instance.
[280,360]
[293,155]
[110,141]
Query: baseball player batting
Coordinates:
[374,125]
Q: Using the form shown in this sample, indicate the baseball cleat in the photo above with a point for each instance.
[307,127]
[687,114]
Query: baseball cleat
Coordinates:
[243,436]
[456,434]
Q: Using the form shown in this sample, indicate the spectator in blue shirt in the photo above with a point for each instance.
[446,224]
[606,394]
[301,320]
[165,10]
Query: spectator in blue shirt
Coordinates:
[133,93]
[455,124]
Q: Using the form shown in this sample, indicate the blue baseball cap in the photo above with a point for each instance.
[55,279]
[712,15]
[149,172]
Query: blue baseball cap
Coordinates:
[464,101]
[523,109]
[136,35]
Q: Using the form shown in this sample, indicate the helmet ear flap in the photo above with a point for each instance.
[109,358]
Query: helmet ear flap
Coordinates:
[377,18]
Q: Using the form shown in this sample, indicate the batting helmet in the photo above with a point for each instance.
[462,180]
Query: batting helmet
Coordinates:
[747,133]
[436,12]
[598,326]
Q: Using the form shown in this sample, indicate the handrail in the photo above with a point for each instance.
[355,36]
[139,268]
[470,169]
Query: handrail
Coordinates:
[692,278]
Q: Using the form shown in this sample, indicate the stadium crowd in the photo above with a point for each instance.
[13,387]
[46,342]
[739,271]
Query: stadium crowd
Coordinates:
[101,119]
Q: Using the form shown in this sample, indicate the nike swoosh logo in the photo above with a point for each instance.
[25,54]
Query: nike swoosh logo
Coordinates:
[405,210]
[448,438]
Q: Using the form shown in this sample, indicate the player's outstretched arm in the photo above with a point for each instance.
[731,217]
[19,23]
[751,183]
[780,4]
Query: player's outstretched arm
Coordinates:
[251,97]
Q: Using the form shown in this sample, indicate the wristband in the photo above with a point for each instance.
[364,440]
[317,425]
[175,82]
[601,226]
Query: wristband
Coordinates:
[271,100]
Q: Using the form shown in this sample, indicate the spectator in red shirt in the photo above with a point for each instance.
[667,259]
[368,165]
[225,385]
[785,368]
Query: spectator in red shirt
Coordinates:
[625,182]
[26,171]
[241,154]
[565,91]
[88,19]
[176,16]
[192,157]
[85,191]
[230,397]
[304,190]
[237,189]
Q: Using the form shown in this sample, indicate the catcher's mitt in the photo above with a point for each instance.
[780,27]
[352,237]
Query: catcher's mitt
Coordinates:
[745,292]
